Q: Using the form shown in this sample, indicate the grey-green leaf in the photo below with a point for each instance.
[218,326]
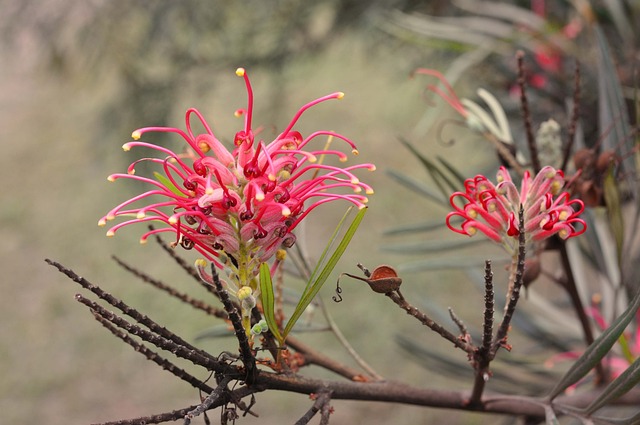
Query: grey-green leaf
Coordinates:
[596,351]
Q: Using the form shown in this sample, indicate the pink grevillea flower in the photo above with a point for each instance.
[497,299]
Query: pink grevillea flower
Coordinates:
[494,209]
[238,206]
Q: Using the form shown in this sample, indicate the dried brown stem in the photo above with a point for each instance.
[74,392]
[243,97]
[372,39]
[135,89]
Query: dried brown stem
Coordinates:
[514,294]
[198,304]
[182,351]
[206,404]
[312,356]
[153,356]
[322,399]
[245,349]
[575,116]
[526,114]
[481,356]
[397,298]
[129,311]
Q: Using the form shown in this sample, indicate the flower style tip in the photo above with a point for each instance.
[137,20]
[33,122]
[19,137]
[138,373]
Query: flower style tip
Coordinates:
[493,209]
[240,72]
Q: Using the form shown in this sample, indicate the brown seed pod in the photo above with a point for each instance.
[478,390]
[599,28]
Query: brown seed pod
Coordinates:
[384,279]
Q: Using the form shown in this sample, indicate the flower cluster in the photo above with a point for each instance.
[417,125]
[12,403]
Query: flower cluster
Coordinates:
[238,207]
[494,209]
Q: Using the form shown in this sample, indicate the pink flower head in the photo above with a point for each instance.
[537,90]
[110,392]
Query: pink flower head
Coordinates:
[494,209]
[244,202]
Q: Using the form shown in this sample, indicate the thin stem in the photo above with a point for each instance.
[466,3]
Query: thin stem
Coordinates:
[526,114]
[481,356]
[245,350]
[129,311]
[570,286]
[397,298]
[514,294]
[198,304]
[209,401]
[153,356]
[575,116]
[312,356]
[152,338]
[322,399]
[345,343]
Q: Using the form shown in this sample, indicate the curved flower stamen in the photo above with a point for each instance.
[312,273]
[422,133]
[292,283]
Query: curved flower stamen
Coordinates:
[493,210]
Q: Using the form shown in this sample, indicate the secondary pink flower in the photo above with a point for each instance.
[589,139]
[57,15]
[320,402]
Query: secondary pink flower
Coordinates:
[494,209]
[243,202]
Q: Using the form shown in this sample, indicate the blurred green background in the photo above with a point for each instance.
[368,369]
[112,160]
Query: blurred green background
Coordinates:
[77,77]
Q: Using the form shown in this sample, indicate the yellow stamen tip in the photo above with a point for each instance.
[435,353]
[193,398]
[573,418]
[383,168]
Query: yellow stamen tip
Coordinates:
[340,95]
[131,172]
[111,178]
[201,262]
[204,147]
[110,217]
[142,241]
[240,72]
[313,159]
[140,215]
[259,197]
[286,212]
[362,206]
[102,222]
[372,168]
[126,147]
[355,180]
[136,135]
[110,233]
[173,219]
[343,159]
[563,215]
[281,254]
[369,191]
[244,292]
[357,189]
[356,152]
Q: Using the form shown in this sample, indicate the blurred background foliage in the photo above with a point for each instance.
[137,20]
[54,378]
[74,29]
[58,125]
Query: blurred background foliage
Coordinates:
[78,76]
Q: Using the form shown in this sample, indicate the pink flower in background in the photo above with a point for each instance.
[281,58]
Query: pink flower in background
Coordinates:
[244,202]
[494,209]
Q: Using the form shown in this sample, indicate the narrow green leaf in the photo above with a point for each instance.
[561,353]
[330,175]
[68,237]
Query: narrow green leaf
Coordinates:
[460,178]
[314,285]
[620,386]
[612,200]
[438,176]
[596,351]
[268,302]
[415,227]
[418,187]
[168,184]
[429,246]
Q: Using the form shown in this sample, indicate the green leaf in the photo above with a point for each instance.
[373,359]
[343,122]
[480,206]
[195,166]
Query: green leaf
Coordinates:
[429,246]
[418,187]
[454,172]
[268,302]
[596,351]
[315,283]
[612,200]
[415,227]
[440,179]
[620,386]
[168,184]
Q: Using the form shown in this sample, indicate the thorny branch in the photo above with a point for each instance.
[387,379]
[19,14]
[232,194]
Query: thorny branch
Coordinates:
[387,391]
[322,399]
